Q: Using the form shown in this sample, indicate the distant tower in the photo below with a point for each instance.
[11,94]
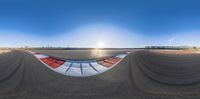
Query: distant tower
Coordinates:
[173,43]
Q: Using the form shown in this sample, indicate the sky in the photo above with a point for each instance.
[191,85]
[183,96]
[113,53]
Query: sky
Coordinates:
[99,23]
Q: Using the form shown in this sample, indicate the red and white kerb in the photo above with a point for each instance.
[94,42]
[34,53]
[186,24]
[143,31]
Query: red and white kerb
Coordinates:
[79,68]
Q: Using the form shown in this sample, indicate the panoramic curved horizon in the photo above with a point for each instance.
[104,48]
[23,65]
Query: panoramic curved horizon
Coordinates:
[110,49]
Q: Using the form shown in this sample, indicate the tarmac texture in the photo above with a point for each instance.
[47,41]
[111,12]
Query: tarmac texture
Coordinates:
[140,75]
[80,54]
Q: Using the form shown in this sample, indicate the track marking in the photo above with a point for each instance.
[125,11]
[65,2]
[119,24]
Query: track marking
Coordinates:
[79,68]
[69,68]
[93,67]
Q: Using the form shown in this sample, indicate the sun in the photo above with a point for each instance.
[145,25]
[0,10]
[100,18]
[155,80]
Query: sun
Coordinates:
[100,44]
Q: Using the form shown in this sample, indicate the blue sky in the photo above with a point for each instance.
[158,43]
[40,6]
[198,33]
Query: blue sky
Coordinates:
[85,23]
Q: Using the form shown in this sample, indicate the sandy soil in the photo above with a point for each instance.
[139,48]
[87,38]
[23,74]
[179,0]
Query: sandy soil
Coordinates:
[180,52]
[4,51]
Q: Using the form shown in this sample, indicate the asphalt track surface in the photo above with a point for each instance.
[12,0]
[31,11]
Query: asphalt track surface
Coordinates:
[79,54]
[22,76]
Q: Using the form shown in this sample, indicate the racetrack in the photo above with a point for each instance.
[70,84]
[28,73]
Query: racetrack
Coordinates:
[80,54]
[22,76]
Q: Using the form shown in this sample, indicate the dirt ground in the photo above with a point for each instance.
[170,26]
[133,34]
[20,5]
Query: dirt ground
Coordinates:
[180,52]
[4,51]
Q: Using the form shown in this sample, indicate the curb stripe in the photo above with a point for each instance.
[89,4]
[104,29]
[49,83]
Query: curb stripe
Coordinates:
[93,67]
[81,68]
[69,68]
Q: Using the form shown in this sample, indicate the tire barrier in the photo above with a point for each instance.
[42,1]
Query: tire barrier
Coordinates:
[80,68]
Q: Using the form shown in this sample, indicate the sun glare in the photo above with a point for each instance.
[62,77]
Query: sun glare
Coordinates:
[100,45]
